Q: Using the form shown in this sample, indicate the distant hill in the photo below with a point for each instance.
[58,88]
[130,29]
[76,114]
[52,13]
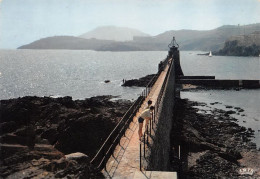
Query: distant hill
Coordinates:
[66,42]
[76,43]
[242,45]
[207,40]
[198,40]
[247,40]
[113,33]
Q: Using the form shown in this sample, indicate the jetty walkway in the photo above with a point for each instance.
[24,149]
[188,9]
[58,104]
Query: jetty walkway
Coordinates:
[122,155]
[125,163]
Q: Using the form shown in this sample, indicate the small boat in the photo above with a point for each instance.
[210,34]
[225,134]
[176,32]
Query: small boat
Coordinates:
[210,54]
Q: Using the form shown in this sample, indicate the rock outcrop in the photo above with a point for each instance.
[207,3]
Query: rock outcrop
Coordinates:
[243,45]
[212,145]
[38,135]
[141,82]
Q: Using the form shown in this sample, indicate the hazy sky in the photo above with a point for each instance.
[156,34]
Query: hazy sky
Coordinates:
[23,21]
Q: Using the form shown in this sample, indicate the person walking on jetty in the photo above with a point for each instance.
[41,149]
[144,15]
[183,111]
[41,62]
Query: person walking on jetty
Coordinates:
[149,103]
[145,115]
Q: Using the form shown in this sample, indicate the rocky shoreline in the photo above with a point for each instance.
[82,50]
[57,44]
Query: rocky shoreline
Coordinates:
[212,145]
[141,82]
[47,137]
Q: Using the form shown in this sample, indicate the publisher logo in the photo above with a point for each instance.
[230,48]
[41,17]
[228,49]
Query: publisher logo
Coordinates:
[246,171]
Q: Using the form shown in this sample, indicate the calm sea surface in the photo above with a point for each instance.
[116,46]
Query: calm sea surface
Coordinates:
[75,73]
[81,74]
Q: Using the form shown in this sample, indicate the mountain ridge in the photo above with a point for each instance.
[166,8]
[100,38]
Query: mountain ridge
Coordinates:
[113,33]
[206,40]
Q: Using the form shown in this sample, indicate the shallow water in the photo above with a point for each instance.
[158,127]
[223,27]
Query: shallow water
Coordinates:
[248,100]
[223,67]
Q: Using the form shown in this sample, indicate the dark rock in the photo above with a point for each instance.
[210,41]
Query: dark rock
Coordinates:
[30,124]
[79,157]
[24,136]
[6,127]
[228,106]
[216,144]
[230,112]
[239,48]
[51,135]
[231,155]
[66,101]
[25,131]
[141,82]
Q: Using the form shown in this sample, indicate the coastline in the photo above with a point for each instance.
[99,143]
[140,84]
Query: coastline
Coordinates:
[55,137]
[212,145]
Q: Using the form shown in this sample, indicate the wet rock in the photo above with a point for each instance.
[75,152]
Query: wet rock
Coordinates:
[6,127]
[230,112]
[39,132]
[79,157]
[213,146]
[227,106]
[51,135]
[141,82]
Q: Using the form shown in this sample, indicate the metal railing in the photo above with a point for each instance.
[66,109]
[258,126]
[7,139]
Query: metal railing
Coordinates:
[152,122]
[106,150]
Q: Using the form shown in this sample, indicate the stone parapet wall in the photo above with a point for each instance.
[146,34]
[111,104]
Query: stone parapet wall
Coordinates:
[160,149]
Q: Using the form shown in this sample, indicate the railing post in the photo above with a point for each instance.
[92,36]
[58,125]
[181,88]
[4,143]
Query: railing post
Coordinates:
[150,127]
[144,144]
[154,113]
[179,151]
[147,133]
[152,119]
[140,156]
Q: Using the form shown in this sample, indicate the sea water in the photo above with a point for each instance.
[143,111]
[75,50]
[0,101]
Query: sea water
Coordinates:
[81,74]
[223,67]
[76,73]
